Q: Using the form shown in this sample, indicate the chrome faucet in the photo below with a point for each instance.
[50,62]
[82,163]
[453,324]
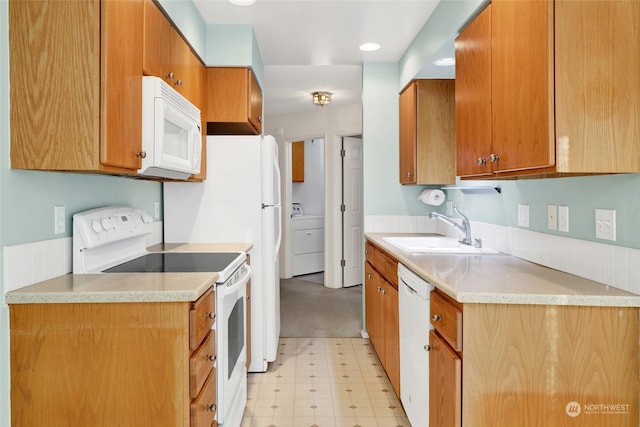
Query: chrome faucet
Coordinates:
[465,228]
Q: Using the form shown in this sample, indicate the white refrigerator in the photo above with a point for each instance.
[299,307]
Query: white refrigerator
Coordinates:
[238,202]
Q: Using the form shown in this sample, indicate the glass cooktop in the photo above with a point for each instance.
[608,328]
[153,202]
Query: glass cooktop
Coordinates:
[176,262]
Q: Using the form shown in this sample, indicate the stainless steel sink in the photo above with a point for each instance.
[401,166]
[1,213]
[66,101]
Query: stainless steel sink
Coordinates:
[435,245]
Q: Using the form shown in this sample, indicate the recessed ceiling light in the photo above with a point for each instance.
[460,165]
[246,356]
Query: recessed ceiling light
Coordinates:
[242,2]
[369,47]
[445,62]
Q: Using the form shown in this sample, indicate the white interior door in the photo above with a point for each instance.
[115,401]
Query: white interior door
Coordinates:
[352,215]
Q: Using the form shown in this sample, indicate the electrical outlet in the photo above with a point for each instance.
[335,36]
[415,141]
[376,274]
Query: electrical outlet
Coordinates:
[606,224]
[523,215]
[58,219]
[563,218]
[156,210]
[552,217]
[449,208]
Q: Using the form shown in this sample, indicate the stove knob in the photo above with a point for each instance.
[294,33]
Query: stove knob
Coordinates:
[95,226]
[106,223]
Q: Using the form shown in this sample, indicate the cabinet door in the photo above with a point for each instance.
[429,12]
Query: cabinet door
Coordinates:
[597,86]
[156,60]
[522,84]
[408,134]
[445,384]
[373,309]
[392,335]
[435,132]
[473,97]
[297,161]
[255,102]
[121,88]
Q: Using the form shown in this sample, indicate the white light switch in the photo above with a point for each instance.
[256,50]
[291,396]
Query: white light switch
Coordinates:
[563,218]
[156,210]
[58,219]
[552,217]
[606,224]
[523,215]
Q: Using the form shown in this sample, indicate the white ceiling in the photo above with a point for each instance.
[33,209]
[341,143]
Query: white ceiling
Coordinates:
[309,45]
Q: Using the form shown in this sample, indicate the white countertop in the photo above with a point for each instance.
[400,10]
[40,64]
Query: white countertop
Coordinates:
[505,279]
[127,287]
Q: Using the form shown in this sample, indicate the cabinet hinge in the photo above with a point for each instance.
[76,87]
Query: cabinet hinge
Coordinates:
[343,208]
[343,263]
[343,153]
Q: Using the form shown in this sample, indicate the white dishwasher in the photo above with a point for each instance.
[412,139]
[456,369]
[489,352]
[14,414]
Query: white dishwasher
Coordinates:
[414,337]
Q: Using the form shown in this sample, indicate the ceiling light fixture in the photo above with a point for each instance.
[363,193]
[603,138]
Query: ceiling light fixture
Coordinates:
[242,2]
[321,98]
[369,47]
[445,62]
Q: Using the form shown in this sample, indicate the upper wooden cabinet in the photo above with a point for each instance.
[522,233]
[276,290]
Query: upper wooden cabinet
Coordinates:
[565,92]
[297,161]
[76,91]
[167,55]
[427,132]
[473,97]
[234,101]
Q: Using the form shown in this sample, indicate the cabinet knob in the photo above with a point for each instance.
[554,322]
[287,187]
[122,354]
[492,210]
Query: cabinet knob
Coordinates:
[409,174]
[211,315]
[382,291]
[178,83]
[494,158]
[169,75]
[211,408]
[368,277]
[379,289]
[428,348]
[260,119]
[481,161]
[436,317]
[211,357]
[141,154]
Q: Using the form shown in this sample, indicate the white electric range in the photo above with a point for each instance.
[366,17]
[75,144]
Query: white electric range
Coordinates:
[112,240]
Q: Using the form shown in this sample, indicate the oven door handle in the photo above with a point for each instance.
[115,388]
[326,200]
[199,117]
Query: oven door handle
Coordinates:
[228,290]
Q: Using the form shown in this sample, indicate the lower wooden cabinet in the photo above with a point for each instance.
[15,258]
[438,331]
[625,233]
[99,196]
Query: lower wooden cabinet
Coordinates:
[532,365]
[113,364]
[381,312]
[445,383]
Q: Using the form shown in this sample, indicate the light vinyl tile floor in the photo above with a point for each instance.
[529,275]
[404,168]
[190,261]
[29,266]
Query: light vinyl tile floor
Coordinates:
[323,382]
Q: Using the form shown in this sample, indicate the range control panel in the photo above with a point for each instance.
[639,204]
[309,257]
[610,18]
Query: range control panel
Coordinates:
[110,224]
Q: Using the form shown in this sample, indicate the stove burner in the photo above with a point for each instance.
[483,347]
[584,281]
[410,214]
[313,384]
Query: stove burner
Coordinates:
[177,263]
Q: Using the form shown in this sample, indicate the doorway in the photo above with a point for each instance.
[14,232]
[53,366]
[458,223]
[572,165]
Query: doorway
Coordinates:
[342,212]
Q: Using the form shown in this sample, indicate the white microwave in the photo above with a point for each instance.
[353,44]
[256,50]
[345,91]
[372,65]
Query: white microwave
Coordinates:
[171,132]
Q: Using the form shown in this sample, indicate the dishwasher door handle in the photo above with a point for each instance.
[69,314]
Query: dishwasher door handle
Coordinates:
[409,287]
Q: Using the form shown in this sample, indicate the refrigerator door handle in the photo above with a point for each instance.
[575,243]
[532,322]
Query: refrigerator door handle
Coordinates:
[279,238]
[276,166]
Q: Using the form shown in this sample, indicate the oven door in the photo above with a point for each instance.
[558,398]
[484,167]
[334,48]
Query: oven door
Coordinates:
[232,350]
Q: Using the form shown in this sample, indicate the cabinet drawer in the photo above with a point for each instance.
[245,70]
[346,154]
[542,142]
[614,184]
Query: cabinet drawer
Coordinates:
[370,252]
[201,364]
[308,241]
[201,318]
[391,271]
[203,408]
[447,320]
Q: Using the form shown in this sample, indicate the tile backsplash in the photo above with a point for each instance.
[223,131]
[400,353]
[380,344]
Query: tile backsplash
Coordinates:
[611,265]
[31,263]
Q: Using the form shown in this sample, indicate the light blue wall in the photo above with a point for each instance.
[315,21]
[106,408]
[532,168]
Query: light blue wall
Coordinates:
[187,18]
[582,194]
[383,195]
[441,27]
[234,45]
